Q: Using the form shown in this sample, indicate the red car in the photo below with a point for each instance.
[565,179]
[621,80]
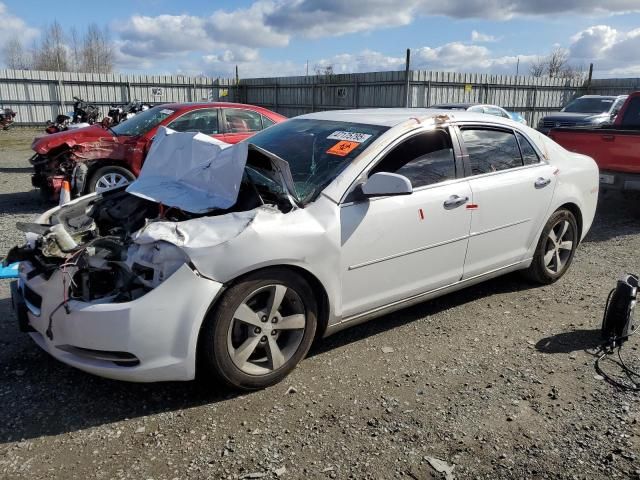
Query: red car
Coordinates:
[97,158]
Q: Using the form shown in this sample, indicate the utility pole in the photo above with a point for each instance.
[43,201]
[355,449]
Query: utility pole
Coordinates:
[518,67]
[590,76]
[406,78]
[307,68]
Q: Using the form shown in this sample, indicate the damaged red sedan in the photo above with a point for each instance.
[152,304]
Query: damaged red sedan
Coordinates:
[97,158]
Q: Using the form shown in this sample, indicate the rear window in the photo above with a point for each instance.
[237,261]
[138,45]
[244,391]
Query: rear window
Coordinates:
[631,117]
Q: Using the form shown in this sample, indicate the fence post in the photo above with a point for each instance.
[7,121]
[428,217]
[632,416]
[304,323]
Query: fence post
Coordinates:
[533,109]
[407,85]
[429,90]
[313,97]
[275,96]
[128,92]
[60,99]
[355,94]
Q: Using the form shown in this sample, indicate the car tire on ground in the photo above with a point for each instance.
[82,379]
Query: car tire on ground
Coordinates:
[109,177]
[555,249]
[259,331]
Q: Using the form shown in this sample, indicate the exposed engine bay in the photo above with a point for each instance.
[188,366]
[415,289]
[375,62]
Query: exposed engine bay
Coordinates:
[93,239]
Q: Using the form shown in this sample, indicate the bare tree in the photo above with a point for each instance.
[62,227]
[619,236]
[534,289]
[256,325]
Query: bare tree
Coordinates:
[557,62]
[323,70]
[556,65]
[97,50]
[75,50]
[538,67]
[91,52]
[15,56]
[51,52]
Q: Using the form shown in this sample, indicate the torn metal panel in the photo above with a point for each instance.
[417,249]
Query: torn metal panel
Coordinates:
[191,171]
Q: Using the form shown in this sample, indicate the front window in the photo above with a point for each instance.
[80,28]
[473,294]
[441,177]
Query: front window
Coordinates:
[589,105]
[317,151]
[203,120]
[425,159]
[142,122]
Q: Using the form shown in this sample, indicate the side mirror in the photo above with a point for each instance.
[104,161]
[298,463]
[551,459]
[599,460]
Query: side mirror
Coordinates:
[384,184]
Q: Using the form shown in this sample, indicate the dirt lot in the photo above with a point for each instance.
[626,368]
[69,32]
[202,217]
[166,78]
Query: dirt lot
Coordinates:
[497,380]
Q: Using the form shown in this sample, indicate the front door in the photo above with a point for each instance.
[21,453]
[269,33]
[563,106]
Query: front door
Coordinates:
[512,190]
[398,246]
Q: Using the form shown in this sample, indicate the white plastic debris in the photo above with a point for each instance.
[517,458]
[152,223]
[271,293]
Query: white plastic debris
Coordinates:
[441,466]
[191,171]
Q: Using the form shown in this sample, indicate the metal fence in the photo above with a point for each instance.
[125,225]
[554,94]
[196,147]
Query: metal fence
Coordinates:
[39,96]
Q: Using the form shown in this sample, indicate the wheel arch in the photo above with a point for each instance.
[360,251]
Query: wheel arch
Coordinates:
[316,285]
[94,165]
[577,213]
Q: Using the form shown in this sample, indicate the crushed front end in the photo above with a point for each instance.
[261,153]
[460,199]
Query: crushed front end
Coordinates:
[88,294]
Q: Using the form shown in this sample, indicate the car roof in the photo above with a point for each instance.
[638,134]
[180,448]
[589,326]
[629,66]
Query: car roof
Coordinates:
[612,97]
[455,105]
[186,106]
[390,117]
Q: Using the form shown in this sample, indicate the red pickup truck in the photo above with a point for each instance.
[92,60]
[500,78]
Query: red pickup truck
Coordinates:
[615,149]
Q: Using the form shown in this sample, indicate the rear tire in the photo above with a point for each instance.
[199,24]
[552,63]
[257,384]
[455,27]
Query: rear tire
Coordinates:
[555,250]
[111,176]
[259,331]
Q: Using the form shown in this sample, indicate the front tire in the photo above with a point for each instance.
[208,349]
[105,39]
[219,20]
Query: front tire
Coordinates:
[260,330]
[106,178]
[556,248]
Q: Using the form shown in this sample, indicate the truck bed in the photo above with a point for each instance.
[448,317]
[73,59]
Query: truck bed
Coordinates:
[615,150]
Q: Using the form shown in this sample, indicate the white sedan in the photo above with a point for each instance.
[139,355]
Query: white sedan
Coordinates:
[322,222]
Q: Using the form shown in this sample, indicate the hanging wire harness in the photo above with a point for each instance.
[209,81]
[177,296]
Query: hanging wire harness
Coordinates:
[618,324]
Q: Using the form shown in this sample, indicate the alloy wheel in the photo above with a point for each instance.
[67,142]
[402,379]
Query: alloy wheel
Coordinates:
[266,330]
[559,246]
[109,181]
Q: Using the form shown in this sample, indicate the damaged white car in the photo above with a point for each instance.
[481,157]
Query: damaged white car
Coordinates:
[231,261]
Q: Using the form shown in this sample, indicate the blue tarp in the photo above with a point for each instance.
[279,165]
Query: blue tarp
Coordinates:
[10,271]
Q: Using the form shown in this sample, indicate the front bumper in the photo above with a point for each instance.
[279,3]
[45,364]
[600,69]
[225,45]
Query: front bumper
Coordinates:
[160,329]
[620,181]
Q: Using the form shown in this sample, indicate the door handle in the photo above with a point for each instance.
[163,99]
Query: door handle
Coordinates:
[455,201]
[542,182]
[608,138]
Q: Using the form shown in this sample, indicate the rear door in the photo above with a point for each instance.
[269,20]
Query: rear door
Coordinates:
[240,123]
[512,190]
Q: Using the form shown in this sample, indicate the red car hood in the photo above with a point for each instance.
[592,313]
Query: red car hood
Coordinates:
[46,143]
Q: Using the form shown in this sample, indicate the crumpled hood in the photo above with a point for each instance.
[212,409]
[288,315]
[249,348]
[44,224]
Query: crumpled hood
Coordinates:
[43,144]
[199,174]
[191,171]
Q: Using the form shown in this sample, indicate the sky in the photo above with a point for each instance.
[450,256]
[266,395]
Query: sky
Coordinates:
[282,37]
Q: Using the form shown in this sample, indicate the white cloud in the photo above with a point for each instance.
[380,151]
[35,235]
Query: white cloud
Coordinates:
[482,37]
[612,52]
[237,35]
[12,26]
[166,35]
[321,18]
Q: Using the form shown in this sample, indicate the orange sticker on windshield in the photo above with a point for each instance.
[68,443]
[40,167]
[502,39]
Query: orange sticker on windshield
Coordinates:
[343,148]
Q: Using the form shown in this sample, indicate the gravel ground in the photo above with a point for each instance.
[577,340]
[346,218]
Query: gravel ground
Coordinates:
[496,380]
